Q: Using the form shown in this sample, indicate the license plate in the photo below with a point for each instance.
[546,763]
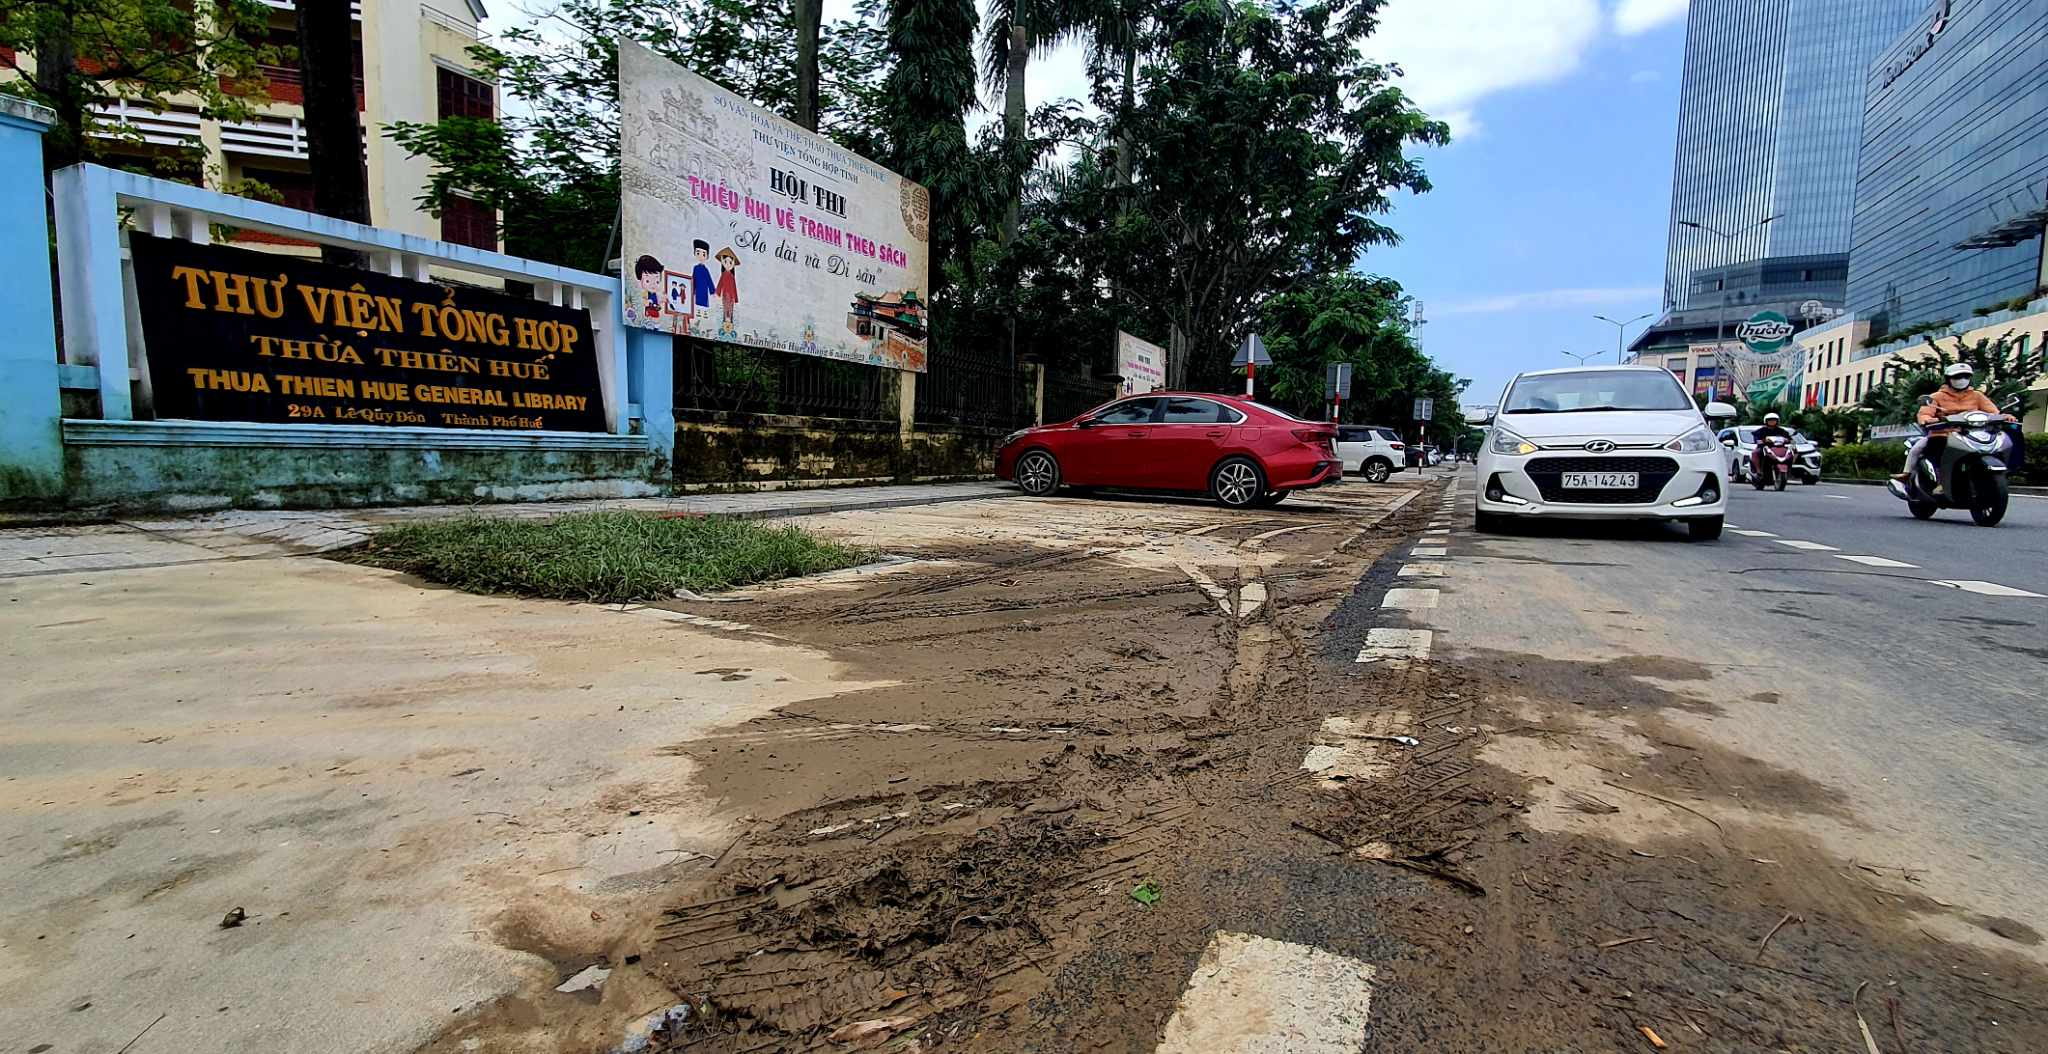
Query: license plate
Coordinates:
[1601,480]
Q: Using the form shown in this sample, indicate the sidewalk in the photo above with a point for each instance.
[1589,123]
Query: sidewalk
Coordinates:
[161,541]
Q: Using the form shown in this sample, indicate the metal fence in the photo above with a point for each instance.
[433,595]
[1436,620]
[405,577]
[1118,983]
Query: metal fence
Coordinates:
[975,391]
[736,379]
[1067,396]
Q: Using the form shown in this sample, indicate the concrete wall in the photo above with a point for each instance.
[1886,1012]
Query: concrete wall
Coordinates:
[31,450]
[757,450]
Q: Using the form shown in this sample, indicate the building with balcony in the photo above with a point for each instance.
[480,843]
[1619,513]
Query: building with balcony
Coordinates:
[412,64]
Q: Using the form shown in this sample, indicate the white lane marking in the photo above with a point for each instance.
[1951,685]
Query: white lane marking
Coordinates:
[1426,552]
[1752,534]
[1255,995]
[1250,597]
[1438,530]
[1277,532]
[1410,599]
[1811,547]
[1989,589]
[1421,571]
[1876,561]
[1385,645]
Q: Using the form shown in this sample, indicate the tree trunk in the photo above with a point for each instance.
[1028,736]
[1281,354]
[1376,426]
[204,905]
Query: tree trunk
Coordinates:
[334,129]
[1013,125]
[809,15]
[1130,101]
[57,81]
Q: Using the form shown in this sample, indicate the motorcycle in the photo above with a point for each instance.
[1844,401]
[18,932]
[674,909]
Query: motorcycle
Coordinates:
[1772,464]
[1968,472]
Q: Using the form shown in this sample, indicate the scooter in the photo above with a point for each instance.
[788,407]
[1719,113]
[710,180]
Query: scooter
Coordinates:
[1772,464]
[1969,471]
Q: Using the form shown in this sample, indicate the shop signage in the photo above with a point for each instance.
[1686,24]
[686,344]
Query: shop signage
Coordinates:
[739,226]
[236,335]
[1765,332]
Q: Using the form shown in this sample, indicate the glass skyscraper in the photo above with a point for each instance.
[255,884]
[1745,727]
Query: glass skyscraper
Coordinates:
[1770,117]
[1950,199]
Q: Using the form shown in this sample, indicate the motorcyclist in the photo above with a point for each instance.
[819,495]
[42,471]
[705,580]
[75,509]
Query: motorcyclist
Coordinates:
[1764,434]
[1956,397]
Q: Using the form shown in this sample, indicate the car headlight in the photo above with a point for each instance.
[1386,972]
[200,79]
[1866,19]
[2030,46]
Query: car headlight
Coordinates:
[1506,442]
[1012,437]
[1697,441]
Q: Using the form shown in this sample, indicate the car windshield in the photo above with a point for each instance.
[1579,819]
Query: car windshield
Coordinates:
[1560,393]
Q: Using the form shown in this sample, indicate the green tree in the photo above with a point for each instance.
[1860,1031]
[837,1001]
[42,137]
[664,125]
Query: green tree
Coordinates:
[2004,372]
[90,53]
[1266,151]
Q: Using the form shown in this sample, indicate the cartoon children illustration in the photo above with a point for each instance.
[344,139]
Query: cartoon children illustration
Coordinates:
[701,285]
[648,272]
[728,290]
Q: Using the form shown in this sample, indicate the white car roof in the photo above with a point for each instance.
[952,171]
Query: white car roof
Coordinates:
[1589,369]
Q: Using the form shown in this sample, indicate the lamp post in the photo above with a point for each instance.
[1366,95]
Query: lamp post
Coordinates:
[1621,328]
[1582,358]
[1727,248]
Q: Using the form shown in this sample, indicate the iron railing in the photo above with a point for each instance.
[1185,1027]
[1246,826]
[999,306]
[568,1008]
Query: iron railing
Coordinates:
[736,379]
[1068,395]
[974,391]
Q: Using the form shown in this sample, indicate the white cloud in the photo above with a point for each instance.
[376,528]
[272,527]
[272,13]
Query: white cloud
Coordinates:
[1552,300]
[1458,52]
[1640,16]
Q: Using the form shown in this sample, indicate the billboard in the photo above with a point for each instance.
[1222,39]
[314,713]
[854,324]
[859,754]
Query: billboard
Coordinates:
[1141,364]
[236,335]
[738,226]
[1706,381]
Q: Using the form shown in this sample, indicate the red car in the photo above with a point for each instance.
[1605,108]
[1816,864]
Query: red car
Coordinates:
[1242,453]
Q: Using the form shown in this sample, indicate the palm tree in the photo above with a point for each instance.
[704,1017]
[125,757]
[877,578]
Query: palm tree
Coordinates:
[1016,29]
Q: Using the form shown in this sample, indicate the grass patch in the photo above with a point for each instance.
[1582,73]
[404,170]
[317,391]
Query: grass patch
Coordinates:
[607,557]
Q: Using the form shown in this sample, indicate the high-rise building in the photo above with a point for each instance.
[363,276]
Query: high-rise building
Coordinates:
[1952,187]
[412,64]
[1770,114]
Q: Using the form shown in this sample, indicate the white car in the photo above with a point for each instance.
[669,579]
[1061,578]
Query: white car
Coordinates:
[1601,443]
[1371,451]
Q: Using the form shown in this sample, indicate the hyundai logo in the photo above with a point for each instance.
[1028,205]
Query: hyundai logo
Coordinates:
[1600,446]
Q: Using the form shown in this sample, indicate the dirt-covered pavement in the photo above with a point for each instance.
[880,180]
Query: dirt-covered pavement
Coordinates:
[1094,701]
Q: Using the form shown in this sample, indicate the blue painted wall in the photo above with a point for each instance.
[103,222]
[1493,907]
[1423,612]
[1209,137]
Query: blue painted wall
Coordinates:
[31,445]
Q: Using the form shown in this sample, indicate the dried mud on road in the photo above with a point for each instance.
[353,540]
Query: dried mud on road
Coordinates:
[1094,698]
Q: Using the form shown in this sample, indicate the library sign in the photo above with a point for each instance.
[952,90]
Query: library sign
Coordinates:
[235,335]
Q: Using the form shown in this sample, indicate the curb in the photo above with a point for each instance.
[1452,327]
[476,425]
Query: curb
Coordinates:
[2025,492]
[854,505]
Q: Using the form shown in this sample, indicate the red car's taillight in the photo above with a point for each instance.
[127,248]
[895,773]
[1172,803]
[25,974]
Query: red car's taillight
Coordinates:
[1313,435]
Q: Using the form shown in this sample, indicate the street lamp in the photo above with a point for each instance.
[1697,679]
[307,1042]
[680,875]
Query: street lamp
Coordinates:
[1582,358]
[1621,328]
[1727,248]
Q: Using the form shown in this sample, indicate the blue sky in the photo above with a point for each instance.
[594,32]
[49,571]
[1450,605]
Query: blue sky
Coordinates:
[1551,204]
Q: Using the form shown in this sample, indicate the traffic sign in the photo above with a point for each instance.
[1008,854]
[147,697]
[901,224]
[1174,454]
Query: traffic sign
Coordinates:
[1425,409]
[1337,381]
[1252,353]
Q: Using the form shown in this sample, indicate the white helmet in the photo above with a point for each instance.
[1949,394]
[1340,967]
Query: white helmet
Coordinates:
[1960,375]
[1770,417]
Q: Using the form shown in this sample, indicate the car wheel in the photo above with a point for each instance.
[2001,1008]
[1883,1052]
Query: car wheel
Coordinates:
[1271,498]
[1237,483]
[1489,523]
[1704,529]
[1037,473]
[1376,470]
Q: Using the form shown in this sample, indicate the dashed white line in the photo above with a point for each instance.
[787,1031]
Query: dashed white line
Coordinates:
[1876,561]
[1811,547]
[1387,644]
[1410,599]
[1438,530]
[1421,571]
[1751,534]
[1426,552]
[1255,995]
[1989,589]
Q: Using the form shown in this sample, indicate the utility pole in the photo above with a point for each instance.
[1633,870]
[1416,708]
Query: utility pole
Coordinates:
[1721,319]
[1619,329]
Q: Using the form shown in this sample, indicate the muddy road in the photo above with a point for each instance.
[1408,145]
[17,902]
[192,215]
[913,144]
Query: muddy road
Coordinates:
[1101,732]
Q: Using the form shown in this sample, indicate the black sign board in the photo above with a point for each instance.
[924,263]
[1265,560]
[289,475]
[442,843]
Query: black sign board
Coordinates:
[236,335]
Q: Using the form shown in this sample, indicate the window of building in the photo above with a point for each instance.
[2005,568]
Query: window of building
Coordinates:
[468,222]
[296,188]
[462,96]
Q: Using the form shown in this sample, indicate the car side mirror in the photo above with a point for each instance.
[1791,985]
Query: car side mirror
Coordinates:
[1729,443]
[1084,422]
[1482,418]
[1720,410]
